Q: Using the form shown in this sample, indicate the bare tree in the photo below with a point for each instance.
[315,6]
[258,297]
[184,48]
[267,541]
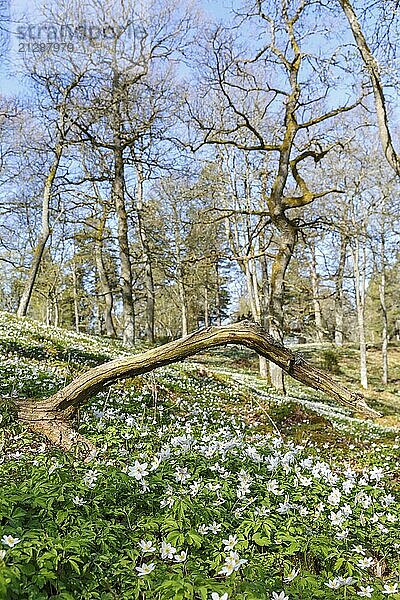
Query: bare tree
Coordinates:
[374,71]
[270,105]
[62,127]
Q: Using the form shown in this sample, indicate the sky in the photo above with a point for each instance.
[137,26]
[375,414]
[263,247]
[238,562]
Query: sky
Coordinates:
[23,12]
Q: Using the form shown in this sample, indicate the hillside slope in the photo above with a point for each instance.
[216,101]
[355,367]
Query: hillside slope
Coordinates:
[205,483]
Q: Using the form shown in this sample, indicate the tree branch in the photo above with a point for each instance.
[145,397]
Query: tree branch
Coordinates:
[46,414]
[373,69]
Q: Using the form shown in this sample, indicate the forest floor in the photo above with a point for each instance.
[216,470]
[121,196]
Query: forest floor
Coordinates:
[206,484]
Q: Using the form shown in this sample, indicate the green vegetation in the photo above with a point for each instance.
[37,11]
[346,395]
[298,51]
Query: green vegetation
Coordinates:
[205,485]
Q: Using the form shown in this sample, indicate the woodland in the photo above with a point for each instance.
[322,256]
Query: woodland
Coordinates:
[199,299]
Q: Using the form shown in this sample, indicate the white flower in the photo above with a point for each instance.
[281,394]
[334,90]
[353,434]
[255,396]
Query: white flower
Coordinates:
[10,541]
[272,486]
[181,557]
[337,519]
[138,471]
[230,543]
[78,501]
[155,463]
[284,507]
[2,554]
[290,576]
[167,550]
[345,580]
[390,588]
[147,546]
[306,481]
[365,563]
[334,497]
[365,592]
[348,486]
[215,527]
[333,584]
[347,510]
[216,596]
[194,488]
[167,501]
[145,569]
[202,529]
[90,478]
[232,563]
[181,475]
[342,535]
[359,550]
[280,596]
[387,499]
[376,473]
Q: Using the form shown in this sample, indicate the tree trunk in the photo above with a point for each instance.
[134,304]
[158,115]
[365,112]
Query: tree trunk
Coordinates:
[47,191]
[183,303]
[206,310]
[180,273]
[339,294]
[43,238]
[56,311]
[124,252]
[118,194]
[287,241]
[382,298]
[315,295]
[103,278]
[373,69]
[148,267]
[75,296]
[359,282]
[218,293]
[52,416]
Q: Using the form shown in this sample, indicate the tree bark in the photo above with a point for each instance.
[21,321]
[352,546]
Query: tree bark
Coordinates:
[118,193]
[218,293]
[287,242]
[75,296]
[103,278]
[339,293]
[44,235]
[382,298]
[373,69]
[359,267]
[180,272]
[315,295]
[53,416]
[148,267]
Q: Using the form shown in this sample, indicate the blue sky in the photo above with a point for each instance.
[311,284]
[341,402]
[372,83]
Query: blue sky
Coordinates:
[25,11]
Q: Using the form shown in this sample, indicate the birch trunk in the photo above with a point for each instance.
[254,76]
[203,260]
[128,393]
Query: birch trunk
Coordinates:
[339,293]
[218,293]
[315,295]
[382,298]
[359,266]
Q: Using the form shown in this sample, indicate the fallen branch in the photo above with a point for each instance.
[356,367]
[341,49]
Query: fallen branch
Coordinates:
[53,416]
